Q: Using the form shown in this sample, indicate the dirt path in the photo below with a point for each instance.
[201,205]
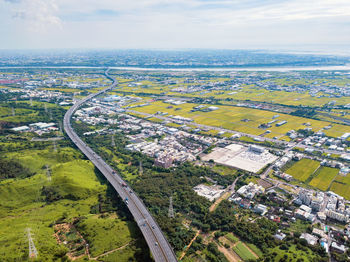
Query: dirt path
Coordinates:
[230,255]
[189,245]
[111,251]
[218,201]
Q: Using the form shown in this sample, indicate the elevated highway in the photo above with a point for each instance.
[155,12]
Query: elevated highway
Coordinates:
[158,244]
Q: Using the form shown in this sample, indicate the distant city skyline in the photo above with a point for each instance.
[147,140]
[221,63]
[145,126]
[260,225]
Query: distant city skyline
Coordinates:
[319,26]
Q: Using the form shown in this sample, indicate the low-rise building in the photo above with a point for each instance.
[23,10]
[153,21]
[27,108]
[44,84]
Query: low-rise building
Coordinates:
[311,240]
[260,209]
[335,247]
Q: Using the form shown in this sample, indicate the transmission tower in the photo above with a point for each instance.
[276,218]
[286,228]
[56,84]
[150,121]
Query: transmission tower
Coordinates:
[13,111]
[140,168]
[45,106]
[60,125]
[171,208]
[54,146]
[113,142]
[48,173]
[33,253]
[31,102]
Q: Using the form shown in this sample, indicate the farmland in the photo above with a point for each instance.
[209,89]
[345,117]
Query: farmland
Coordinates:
[250,92]
[341,186]
[243,252]
[241,119]
[324,177]
[302,169]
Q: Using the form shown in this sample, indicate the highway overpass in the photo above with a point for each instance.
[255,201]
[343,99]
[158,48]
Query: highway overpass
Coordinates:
[158,244]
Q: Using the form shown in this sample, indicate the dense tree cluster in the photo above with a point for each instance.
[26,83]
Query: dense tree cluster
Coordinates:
[13,169]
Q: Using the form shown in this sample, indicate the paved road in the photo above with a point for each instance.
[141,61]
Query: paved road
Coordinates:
[159,246]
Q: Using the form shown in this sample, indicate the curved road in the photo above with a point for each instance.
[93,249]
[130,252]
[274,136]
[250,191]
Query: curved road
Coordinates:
[159,246]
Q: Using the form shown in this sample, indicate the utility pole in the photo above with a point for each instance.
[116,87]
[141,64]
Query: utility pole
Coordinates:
[33,253]
[171,208]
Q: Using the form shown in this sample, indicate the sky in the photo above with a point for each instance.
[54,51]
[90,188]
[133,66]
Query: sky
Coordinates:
[176,24]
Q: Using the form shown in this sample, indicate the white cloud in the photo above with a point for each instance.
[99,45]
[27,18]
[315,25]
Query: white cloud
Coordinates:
[178,23]
[36,15]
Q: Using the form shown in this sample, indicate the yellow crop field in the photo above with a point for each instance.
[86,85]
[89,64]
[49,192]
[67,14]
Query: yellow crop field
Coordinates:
[324,178]
[341,186]
[246,120]
[302,169]
[337,130]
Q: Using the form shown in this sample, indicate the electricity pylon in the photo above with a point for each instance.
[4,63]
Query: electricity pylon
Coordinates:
[33,253]
[171,208]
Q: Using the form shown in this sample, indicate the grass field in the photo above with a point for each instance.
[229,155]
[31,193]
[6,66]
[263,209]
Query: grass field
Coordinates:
[324,177]
[23,205]
[105,234]
[302,169]
[225,170]
[232,237]
[21,115]
[243,252]
[125,254]
[293,254]
[255,249]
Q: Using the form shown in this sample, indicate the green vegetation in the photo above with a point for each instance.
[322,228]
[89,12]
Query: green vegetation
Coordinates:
[243,252]
[13,169]
[225,170]
[256,250]
[232,238]
[38,202]
[302,169]
[44,188]
[294,252]
[41,187]
[105,233]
